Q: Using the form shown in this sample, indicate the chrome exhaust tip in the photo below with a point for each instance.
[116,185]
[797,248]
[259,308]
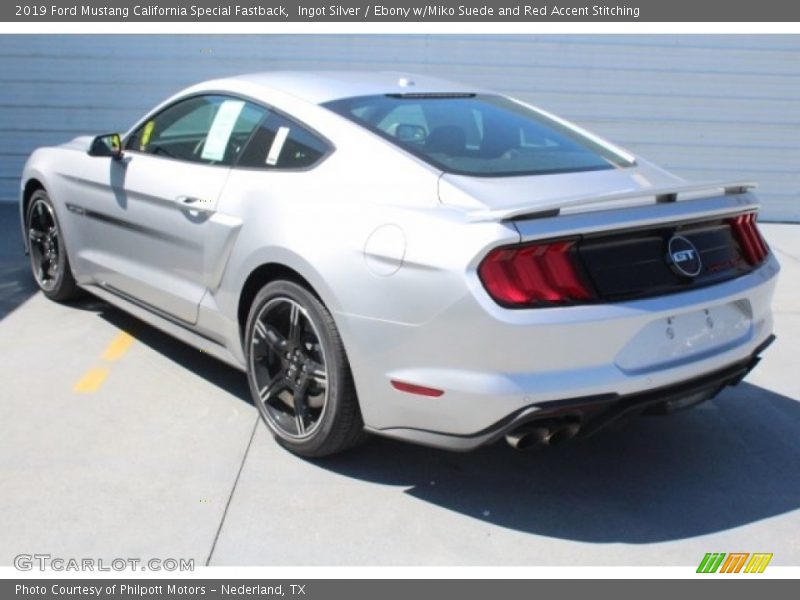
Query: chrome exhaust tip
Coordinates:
[543,434]
[527,437]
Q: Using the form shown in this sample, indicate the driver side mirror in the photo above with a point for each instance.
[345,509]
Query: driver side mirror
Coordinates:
[109,144]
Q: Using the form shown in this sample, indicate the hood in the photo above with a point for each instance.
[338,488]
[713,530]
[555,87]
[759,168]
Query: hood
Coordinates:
[82,143]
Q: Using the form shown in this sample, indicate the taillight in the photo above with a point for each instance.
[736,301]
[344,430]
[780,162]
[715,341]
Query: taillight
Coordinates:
[535,274]
[753,245]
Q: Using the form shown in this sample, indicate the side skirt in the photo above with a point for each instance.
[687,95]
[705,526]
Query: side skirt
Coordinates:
[169,326]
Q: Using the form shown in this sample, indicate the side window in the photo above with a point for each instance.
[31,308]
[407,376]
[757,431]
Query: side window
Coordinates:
[280,143]
[204,129]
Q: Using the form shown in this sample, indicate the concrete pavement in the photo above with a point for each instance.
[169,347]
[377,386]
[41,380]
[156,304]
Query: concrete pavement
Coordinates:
[165,456]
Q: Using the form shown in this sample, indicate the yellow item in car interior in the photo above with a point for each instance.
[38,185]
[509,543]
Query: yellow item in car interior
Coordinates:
[146,133]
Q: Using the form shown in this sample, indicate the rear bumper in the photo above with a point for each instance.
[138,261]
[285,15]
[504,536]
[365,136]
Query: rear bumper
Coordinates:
[592,412]
[497,366]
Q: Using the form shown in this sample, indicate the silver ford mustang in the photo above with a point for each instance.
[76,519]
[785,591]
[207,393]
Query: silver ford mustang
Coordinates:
[409,257]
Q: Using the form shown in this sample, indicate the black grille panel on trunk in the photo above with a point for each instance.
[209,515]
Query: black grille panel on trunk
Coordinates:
[635,264]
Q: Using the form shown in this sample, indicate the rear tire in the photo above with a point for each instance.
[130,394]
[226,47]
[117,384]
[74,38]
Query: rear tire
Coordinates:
[298,372]
[47,251]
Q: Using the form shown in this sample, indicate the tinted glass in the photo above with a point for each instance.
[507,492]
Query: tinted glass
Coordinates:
[280,143]
[205,129]
[478,134]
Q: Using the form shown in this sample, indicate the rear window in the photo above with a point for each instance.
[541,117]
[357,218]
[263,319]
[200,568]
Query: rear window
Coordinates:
[481,135]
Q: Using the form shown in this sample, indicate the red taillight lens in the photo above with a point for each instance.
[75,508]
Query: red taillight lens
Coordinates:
[535,274]
[753,246]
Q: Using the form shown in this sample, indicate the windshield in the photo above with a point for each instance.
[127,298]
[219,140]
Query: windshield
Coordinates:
[481,135]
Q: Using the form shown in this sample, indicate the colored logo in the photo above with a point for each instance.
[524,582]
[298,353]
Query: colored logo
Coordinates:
[683,257]
[734,562]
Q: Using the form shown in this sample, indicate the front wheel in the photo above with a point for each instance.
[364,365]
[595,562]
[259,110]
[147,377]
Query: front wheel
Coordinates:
[48,254]
[298,372]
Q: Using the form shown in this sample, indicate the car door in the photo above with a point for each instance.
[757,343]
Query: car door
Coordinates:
[153,231]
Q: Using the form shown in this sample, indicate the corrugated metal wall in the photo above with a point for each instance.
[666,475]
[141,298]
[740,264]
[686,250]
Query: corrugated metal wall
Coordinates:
[703,106]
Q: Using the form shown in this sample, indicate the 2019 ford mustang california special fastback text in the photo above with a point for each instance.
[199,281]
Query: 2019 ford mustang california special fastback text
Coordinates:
[410,257]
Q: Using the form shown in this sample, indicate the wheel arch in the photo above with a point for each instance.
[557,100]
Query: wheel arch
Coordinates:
[261,276]
[33,184]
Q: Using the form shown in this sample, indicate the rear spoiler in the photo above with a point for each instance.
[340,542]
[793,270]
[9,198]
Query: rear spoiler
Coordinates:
[619,199]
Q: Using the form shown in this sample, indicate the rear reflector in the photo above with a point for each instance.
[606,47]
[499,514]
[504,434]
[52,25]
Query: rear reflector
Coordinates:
[754,248]
[535,274]
[419,390]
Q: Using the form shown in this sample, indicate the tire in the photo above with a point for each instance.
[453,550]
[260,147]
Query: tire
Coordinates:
[47,251]
[298,372]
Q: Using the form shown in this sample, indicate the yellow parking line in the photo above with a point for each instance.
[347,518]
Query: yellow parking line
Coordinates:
[118,347]
[94,378]
[90,381]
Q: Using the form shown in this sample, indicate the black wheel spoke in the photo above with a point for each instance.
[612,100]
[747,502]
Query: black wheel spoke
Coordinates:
[271,337]
[300,398]
[295,325]
[317,372]
[35,236]
[276,385]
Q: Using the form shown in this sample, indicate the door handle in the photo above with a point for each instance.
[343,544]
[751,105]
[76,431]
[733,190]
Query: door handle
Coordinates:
[194,203]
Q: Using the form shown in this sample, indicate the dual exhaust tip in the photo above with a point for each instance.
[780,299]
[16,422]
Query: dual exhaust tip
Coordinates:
[543,433]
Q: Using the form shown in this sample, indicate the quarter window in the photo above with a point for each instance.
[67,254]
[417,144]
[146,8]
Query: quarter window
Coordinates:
[280,143]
